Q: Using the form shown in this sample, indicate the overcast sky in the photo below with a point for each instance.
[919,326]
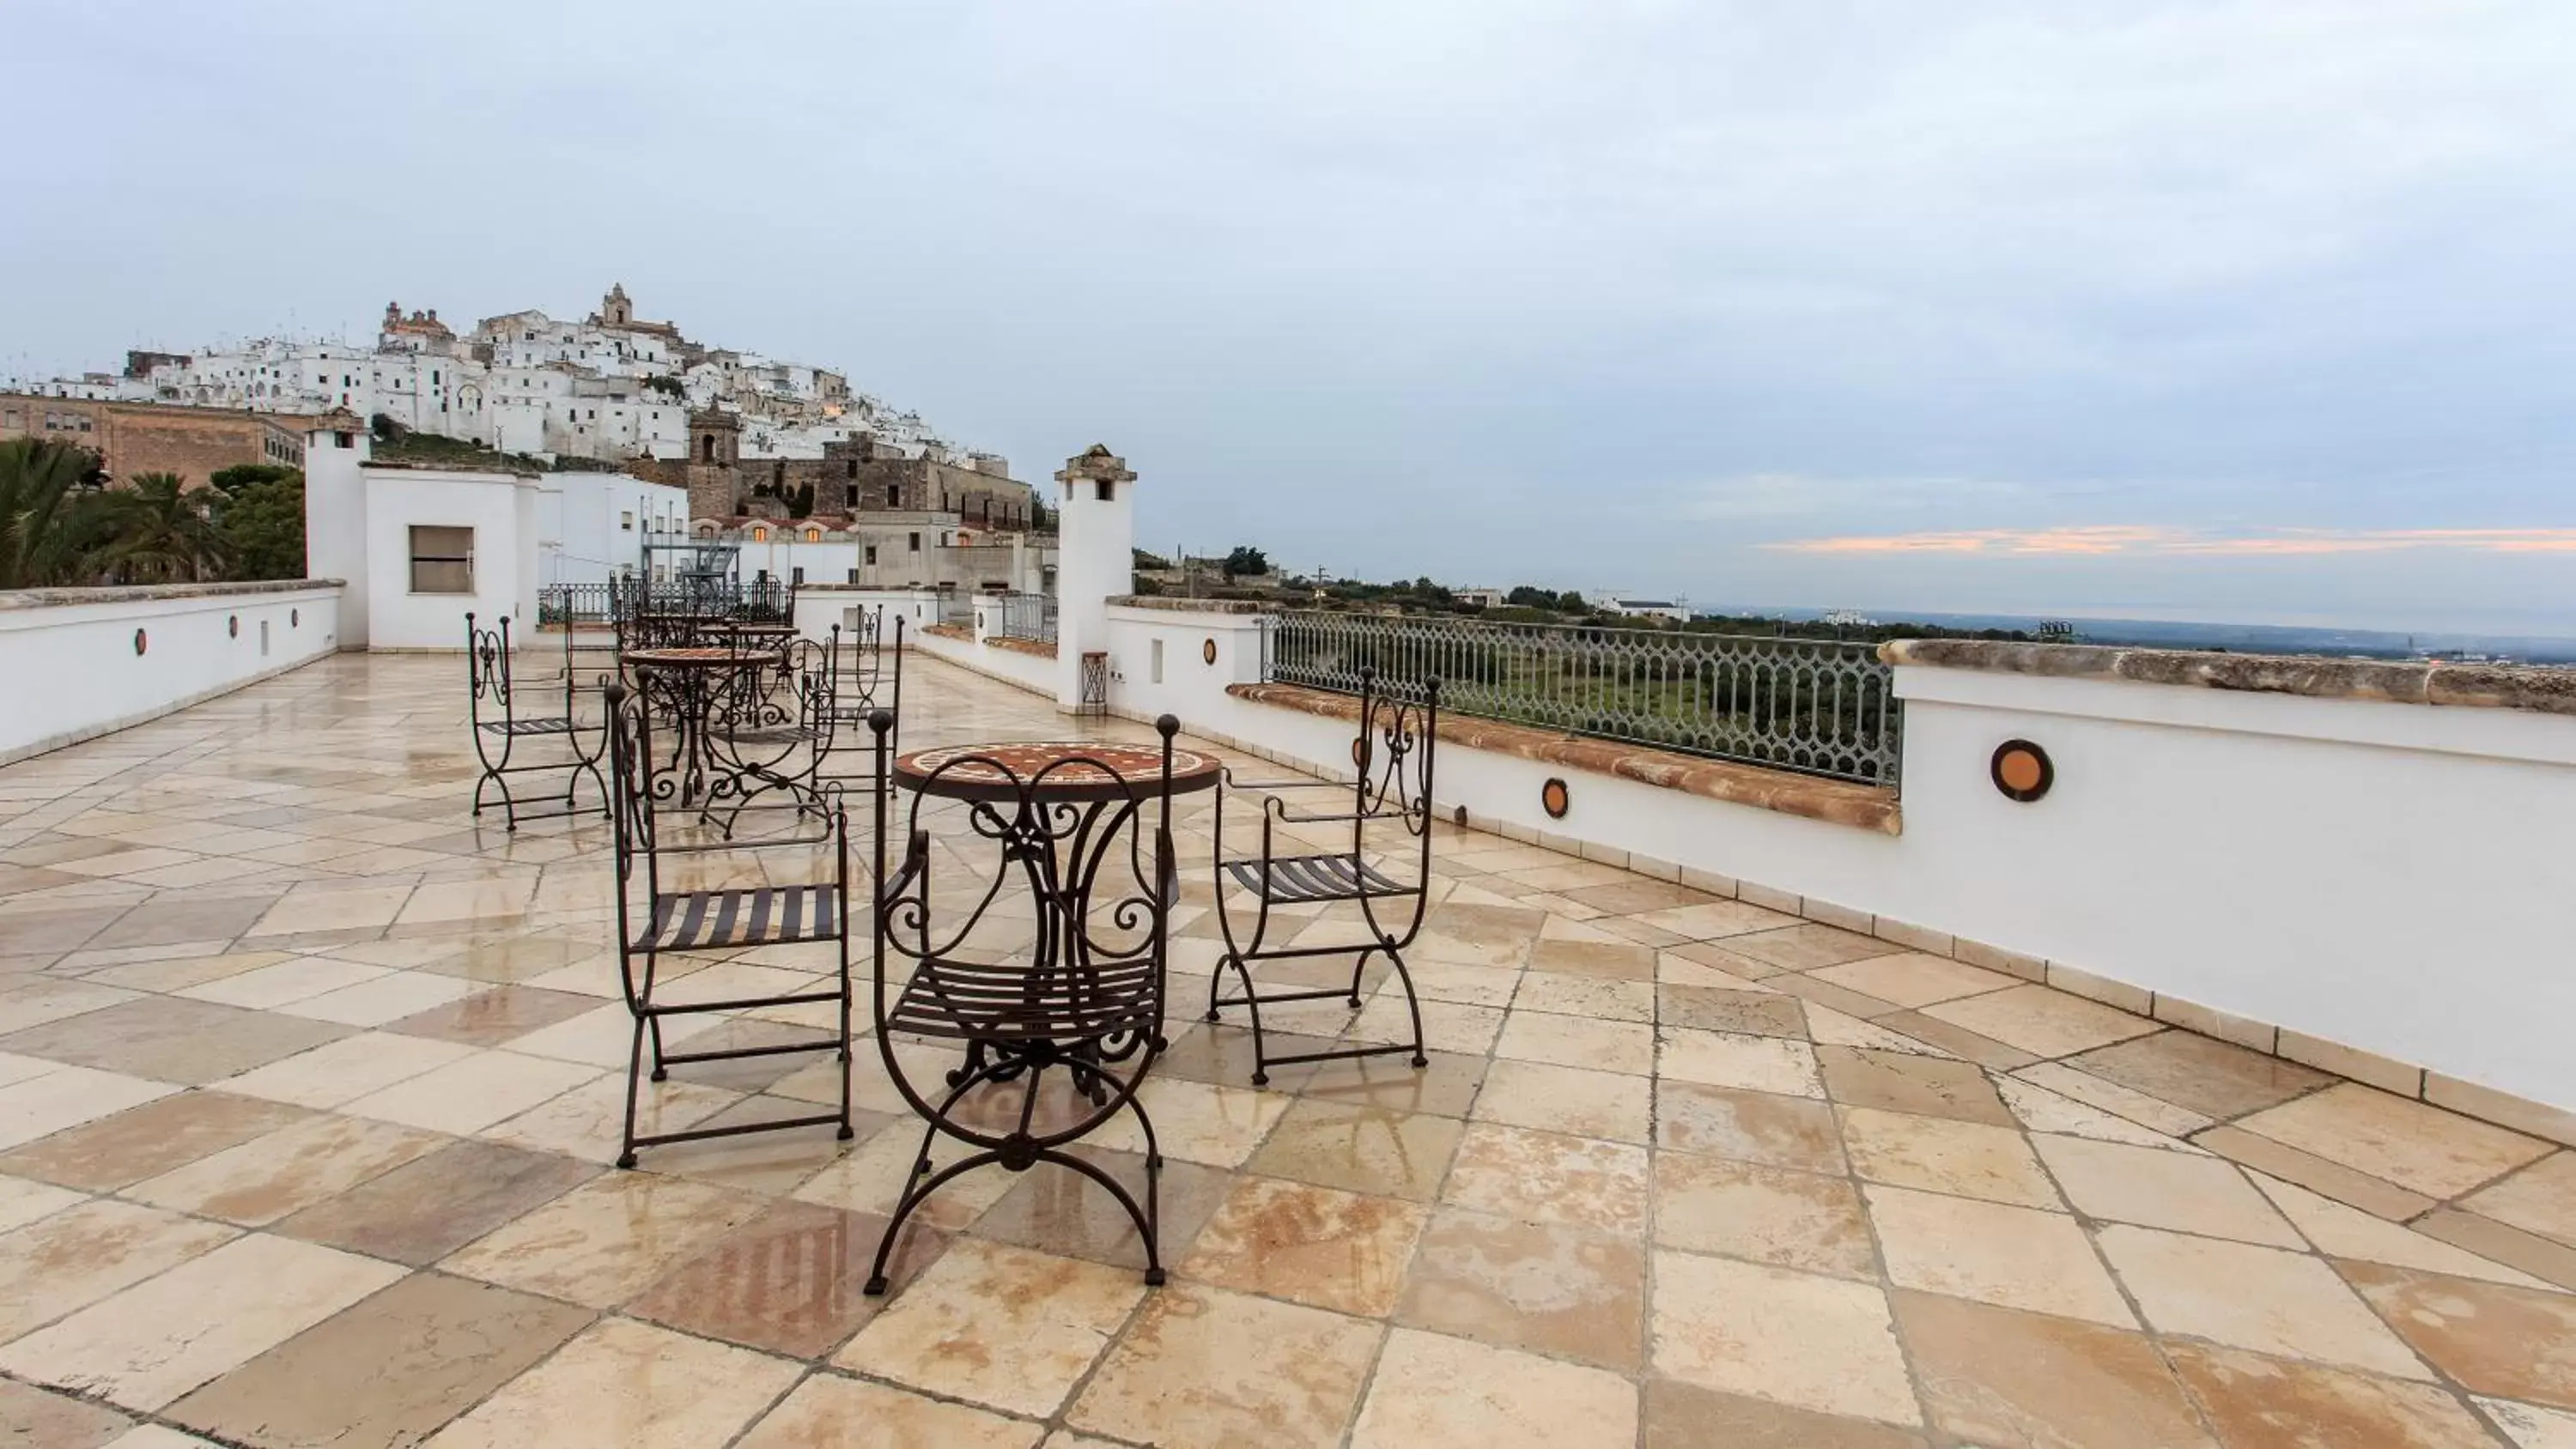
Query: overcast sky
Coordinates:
[2262,311]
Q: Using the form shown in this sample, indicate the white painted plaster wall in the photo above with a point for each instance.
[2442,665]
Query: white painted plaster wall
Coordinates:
[82,677]
[2387,876]
[499,507]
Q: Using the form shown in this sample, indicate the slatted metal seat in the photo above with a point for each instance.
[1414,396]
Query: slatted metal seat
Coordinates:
[761,916]
[551,726]
[1398,731]
[1298,880]
[967,1001]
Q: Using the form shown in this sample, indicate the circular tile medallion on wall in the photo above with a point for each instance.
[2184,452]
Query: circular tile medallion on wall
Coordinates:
[1207,651]
[140,642]
[2022,770]
[1555,798]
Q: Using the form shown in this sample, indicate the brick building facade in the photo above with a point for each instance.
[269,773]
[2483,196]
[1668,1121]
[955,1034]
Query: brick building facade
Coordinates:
[135,438]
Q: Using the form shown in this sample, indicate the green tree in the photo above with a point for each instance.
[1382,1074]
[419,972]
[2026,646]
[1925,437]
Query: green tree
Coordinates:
[263,529]
[1244,560]
[163,534]
[53,523]
[243,475]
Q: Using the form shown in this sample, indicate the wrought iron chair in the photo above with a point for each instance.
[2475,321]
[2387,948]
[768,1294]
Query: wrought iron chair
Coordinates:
[766,601]
[1398,733]
[1088,998]
[871,678]
[776,719]
[500,730]
[657,917]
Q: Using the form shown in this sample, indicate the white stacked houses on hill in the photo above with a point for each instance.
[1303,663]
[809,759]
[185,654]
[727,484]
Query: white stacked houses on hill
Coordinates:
[609,387]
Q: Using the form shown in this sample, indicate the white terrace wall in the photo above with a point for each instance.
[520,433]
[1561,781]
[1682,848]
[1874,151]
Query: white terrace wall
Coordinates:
[2384,883]
[88,661]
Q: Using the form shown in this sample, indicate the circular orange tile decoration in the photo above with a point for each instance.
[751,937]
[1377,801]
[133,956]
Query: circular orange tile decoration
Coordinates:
[1207,651]
[140,642]
[1555,798]
[2022,770]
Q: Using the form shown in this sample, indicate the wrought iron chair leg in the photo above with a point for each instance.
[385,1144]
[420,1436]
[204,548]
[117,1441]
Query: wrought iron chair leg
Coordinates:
[634,1069]
[1252,1007]
[1412,1003]
[661,1072]
[1147,1216]
[1359,968]
[915,1193]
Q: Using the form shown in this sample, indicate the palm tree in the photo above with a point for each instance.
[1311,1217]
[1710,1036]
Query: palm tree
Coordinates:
[53,523]
[162,533]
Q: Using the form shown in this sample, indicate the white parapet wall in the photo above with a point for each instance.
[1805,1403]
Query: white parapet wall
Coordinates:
[2361,866]
[90,661]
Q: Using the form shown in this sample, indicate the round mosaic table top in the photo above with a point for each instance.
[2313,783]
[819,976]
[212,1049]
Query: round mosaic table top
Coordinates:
[1052,770]
[692,657]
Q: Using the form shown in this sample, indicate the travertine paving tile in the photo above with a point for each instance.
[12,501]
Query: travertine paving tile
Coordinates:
[1569,1292]
[1914,979]
[1058,1314]
[2185,1192]
[429,1207]
[787,1281]
[286,981]
[266,1178]
[23,1202]
[1196,1122]
[1768,1214]
[1969,1159]
[1361,1148]
[1308,1244]
[146,1141]
[589,1122]
[1714,920]
[1813,1343]
[2258,1298]
[2203,1075]
[390,997]
[489,1018]
[828,1411]
[80,1254]
[1571,1100]
[2539,1199]
[1686,1416]
[2515,1343]
[1996,1376]
[2266,1401]
[1745,1012]
[2347,1232]
[1751,1126]
[342,1071]
[45,999]
[1728,1059]
[1807,946]
[173,1040]
[626,1385]
[41,1105]
[33,1418]
[1068,1215]
[2014,1257]
[2531,1427]
[872,1179]
[2424,1149]
[1206,1369]
[605,1241]
[1431,1389]
[1898,1081]
[1608,960]
[2041,1110]
[153,1342]
[389,1370]
[472,1093]
[1544,1177]
[2040,1021]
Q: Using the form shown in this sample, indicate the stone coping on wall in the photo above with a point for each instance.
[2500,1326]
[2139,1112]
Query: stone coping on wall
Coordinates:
[1835,802]
[1169,604]
[146,593]
[1037,648]
[2480,686]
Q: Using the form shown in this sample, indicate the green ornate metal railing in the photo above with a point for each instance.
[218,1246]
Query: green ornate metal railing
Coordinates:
[1815,706]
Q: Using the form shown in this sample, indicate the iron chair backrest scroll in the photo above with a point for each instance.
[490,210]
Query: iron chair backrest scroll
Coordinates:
[870,678]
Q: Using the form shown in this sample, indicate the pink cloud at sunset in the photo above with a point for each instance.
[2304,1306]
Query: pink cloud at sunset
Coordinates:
[2099,539]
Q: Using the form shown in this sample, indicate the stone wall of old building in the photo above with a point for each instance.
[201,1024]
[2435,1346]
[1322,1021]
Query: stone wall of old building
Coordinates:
[135,438]
[850,477]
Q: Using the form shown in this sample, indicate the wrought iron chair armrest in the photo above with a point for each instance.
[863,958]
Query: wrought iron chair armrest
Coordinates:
[1345,817]
[916,860]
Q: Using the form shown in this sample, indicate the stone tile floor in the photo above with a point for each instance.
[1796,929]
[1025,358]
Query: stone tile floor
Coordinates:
[308,1088]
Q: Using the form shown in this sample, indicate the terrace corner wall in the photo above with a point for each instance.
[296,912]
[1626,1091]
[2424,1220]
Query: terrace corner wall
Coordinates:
[92,661]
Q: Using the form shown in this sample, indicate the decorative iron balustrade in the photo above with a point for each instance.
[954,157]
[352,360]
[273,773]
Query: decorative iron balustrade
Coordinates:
[1817,706]
[1026,616]
[562,604]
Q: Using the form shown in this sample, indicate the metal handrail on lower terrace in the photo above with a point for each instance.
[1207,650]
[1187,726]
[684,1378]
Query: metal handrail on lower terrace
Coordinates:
[1026,616]
[1817,706]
